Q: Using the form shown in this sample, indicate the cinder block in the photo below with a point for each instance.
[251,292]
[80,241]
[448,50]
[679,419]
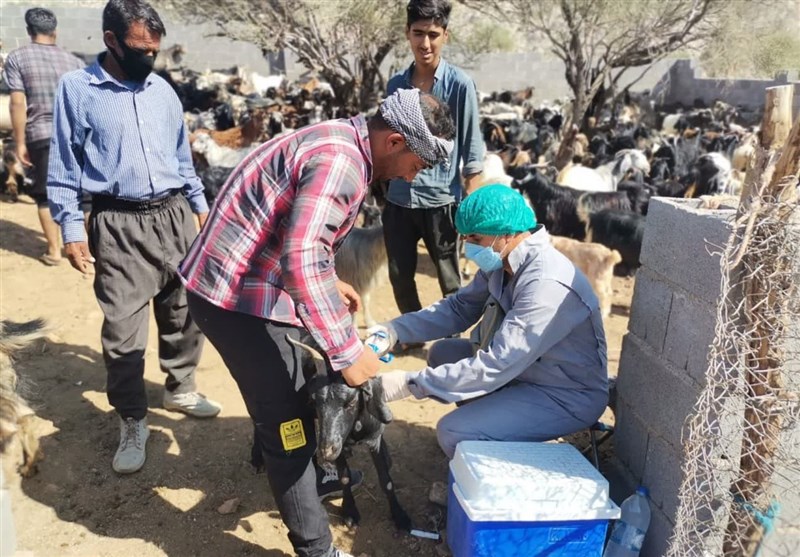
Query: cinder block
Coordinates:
[663,475]
[690,333]
[660,394]
[650,308]
[621,481]
[630,440]
[677,241]
[656,542]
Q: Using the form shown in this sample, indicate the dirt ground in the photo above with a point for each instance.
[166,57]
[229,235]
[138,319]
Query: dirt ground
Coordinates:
[76,505]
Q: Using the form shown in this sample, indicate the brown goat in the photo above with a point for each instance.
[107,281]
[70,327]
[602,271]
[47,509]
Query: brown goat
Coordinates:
[240,136]
[16,417]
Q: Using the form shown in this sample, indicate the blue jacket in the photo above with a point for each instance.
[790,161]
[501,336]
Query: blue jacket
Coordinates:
[551,336]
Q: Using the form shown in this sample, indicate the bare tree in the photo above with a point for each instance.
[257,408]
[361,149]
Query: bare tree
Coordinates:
[598,39]
[345,42]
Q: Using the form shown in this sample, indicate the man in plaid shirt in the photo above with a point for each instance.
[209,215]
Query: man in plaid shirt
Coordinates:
[262,268]
[32,73]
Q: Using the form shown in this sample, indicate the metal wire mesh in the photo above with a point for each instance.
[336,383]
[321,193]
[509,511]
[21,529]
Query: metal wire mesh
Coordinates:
[741,452]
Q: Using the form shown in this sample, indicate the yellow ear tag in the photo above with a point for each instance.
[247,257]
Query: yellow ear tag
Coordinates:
[292,435]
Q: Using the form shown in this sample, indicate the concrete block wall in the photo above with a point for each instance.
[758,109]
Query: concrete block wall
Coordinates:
[664,355]
[685,82]
[662,371]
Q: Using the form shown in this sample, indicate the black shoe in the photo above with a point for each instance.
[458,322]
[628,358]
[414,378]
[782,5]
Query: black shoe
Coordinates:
[329,486]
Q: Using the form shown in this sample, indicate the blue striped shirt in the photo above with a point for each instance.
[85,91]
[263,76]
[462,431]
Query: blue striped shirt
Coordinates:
[116,138]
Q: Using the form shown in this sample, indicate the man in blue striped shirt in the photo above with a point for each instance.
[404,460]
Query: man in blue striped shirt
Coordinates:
[425,208]
[119,135]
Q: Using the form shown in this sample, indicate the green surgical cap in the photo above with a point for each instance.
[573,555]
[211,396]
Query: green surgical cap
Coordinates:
[494,210]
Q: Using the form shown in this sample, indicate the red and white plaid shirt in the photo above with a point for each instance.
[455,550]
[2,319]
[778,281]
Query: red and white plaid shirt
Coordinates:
[268,245]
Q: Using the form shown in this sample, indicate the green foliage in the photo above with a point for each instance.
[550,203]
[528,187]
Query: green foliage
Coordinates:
[469,41]
[754,39]
[780,51]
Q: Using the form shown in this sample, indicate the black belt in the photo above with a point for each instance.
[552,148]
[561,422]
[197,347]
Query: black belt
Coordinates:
[110,203]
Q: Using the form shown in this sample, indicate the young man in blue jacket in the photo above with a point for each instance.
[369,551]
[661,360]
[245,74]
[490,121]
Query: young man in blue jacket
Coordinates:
[427,209]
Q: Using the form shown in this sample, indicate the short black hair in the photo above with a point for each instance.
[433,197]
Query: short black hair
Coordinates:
[437,116]
[118,15]
[40,21]
[435,112]
[437,10]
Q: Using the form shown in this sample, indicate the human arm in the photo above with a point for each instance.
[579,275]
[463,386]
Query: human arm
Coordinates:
[65,166]
[472,182]
[542,314]
[473,147]
[329,186]
[454,314]
[18,109]
[193,187]
[395,385]
[349,296]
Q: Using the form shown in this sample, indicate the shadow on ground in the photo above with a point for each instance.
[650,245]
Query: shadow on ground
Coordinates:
[21,240]
[193,466]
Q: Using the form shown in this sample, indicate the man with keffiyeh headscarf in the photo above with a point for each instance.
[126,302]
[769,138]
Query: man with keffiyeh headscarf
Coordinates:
[262,269]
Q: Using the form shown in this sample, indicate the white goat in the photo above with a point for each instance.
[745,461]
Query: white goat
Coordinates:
[607,176]
[361,260]
[217,155]
[261,83]
[493,171]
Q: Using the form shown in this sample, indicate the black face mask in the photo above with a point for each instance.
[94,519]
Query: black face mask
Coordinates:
[136,64]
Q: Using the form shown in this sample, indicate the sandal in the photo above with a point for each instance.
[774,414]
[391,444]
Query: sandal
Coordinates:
[49,260]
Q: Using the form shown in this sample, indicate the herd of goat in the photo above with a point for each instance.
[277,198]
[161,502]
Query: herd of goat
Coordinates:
[591,188]
[592,185]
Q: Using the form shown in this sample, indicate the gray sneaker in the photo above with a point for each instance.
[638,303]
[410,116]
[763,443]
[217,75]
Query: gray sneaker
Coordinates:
[193,404]
[130,455]
[338,553]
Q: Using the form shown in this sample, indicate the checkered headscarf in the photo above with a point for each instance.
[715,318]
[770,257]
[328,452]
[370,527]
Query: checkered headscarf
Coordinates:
[402,113]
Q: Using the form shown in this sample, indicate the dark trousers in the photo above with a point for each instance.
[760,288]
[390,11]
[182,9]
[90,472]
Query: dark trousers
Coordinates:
[402,229]
[268,371]
[137,250]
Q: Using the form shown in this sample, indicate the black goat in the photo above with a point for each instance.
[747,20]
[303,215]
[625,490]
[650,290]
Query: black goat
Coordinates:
[349,416]
[638,195]
[555,205]
[594,201]
[619,230]
[213,178]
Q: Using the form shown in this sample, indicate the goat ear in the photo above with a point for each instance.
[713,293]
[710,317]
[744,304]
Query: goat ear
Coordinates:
[375,405]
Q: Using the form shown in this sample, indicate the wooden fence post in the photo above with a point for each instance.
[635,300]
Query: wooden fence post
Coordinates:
[770,182]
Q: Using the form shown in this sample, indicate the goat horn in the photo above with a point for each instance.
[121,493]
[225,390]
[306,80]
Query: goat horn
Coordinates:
[319,360]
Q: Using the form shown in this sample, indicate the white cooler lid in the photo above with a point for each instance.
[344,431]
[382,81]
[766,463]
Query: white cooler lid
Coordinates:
[541,481]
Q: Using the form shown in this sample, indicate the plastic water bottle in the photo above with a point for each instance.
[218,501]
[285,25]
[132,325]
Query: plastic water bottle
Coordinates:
[379,342]
[628,534]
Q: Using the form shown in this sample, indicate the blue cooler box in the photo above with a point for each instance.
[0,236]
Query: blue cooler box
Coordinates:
[526,499]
